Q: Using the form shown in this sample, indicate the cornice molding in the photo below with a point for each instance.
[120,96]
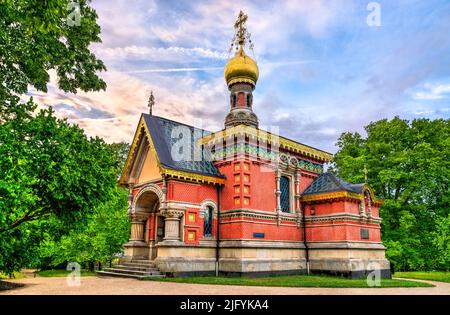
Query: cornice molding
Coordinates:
[331,196]
[292,217]
[261,135]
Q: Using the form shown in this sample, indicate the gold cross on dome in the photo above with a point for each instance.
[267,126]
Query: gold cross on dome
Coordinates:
[151,102]
[241,35]
[240,26]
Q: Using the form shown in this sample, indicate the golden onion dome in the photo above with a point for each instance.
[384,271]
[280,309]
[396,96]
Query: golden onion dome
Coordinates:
[241,69]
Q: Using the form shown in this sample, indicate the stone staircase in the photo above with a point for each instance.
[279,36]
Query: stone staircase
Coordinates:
[137,269]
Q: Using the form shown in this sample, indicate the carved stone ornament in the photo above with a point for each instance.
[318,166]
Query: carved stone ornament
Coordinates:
[172,213]
[137,217]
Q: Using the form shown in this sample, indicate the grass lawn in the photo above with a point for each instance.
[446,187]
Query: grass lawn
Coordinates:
[17,275]
[63,273]
[313,281]
[6,285]
[425,275]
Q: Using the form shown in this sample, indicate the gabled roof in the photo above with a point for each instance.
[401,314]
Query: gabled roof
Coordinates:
[328,182]
[158,131]
[161,132]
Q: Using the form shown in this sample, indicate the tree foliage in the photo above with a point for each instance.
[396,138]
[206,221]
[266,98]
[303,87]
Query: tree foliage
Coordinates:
[103,235]
[36,38]
[51,175]
[49,169]
[408,166]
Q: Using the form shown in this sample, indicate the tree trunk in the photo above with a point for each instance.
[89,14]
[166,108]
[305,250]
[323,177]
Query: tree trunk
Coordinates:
[91,266]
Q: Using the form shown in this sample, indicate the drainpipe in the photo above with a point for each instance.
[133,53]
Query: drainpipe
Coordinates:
[304,240]
[218,188]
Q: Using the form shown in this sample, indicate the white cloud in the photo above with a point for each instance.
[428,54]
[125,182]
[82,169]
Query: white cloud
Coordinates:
[158,53]
[113,114]
[272,24]
[432,92]
[176,50]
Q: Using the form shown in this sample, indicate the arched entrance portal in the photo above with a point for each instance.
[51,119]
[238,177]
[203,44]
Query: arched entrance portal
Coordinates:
[146,224]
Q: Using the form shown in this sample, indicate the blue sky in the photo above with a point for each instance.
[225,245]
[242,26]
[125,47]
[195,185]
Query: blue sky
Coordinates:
[323,70]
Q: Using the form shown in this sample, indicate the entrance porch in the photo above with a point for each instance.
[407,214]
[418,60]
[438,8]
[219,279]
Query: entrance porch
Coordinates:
[152,225]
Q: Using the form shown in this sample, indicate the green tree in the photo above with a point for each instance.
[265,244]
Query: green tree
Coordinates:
[441,240]
[36,38]
[409,168]
[104,234]
[121,151]
[48,168]
[51,174]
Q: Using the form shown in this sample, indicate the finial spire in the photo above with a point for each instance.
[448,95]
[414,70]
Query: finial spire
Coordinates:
[151,102]
[241,35]
[365,173]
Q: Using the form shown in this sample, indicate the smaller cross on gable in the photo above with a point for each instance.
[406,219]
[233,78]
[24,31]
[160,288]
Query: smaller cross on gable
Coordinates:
[365,173]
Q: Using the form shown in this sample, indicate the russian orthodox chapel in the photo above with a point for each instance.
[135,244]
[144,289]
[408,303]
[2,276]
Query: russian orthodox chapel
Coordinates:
[244,201]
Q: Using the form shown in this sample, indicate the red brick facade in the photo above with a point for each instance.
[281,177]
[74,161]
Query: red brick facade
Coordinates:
[248,209]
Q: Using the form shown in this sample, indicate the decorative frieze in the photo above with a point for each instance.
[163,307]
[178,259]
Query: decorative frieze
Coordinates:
[267,137]
[341,217]
[258,214]
[290,217]
[262,153]
[332,196]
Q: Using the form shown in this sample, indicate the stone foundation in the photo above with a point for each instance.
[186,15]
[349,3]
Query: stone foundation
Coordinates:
[260,258]
[248,257]
[350,259]
[236,258]
[185,260]
[136,250]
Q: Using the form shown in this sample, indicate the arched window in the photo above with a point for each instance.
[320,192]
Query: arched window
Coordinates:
[233,100]
[241,99]
[285,194]
[207,221]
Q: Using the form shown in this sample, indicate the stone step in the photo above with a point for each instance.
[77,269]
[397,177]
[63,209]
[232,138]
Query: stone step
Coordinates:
[136,269]
[133,267]
[150,265]
[133,272]
[141,261]
[123,275]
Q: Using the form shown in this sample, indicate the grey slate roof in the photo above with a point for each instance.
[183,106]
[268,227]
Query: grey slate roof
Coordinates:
[161,132]
[328,182]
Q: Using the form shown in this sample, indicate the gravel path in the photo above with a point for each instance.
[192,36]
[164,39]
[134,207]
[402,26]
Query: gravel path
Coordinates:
[96,285]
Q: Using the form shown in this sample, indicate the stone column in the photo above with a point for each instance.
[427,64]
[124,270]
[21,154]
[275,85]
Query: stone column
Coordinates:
[137,248]
[172,224]
[278,194]
[137,228]
[369,206]
[298,209]
[362,208]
